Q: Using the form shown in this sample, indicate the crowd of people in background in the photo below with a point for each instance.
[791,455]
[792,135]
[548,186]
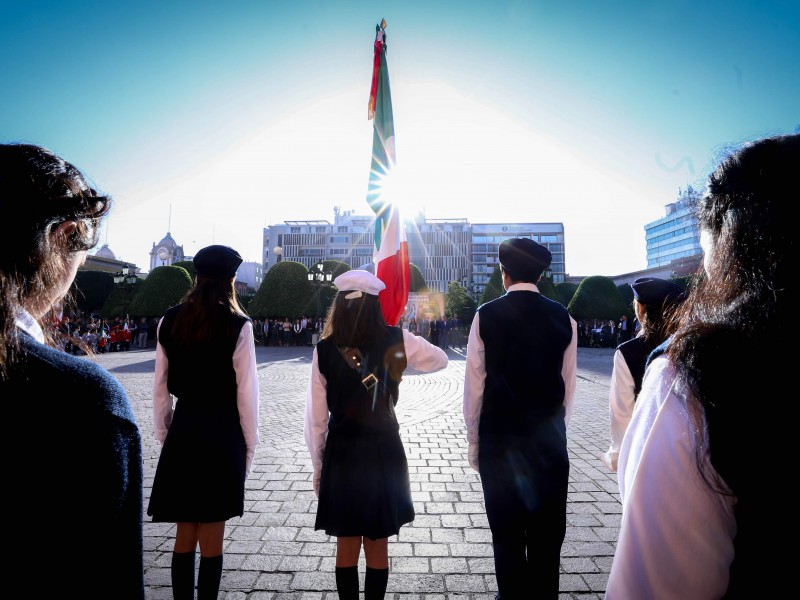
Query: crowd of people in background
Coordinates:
[84,334]
[303,331]
[447,331]
[76,333]
[599,333]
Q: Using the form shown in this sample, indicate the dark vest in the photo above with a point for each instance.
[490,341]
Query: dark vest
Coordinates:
[353,407]
[636,358]
[202,369]
[525,336]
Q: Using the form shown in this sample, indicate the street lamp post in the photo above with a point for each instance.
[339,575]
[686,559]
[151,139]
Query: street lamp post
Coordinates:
[318,277]
[124,278]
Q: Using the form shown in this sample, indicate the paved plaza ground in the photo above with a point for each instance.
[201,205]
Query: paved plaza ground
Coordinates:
[273,552]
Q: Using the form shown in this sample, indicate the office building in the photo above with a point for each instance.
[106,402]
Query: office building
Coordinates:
[250,273]
[674,237]
[444,250]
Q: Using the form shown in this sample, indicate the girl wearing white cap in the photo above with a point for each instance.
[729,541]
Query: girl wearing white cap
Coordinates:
[360,470]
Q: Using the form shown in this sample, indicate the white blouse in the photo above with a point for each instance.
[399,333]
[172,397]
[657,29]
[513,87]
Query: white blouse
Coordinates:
[621,398]
[676,535]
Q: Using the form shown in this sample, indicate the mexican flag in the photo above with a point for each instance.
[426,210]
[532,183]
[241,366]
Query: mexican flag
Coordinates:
[390,254]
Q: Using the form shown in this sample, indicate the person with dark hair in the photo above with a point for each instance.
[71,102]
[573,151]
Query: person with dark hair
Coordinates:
[205,413]
[653,301]
[521,374]
[707,442]
[361,474]
[79,475]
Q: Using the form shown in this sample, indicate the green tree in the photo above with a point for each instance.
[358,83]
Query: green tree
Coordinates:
[285,292]
[547,289]
[494,287]
[188,265]
[566,290]
[327,291]
[245,300]
[597,297]
[458,303]
[164,287]
[91,289]
[335,267]
[626,292]
[118,302]
[416,282]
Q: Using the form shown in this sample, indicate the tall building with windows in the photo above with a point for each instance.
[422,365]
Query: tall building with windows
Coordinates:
[676,236]
[444,250]
[348,239]
[250,273]
[441,249]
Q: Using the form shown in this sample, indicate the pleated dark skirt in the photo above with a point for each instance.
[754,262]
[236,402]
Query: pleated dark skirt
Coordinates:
[202,468]
[364,487]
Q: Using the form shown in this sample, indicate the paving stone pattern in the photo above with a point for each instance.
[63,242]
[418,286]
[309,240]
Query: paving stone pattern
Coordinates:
[272,552]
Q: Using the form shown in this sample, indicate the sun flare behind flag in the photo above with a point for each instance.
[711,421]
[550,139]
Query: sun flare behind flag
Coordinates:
[391,247]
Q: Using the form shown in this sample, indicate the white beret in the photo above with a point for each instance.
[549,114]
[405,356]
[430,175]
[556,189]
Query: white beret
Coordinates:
[359,280]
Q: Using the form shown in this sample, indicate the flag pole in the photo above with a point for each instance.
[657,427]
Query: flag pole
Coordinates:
[390,253]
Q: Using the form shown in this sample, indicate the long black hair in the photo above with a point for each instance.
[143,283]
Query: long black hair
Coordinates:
[732,329]
[354,321]
[199,316]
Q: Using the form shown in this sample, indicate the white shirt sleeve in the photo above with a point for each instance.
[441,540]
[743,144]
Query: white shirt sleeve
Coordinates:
[247,389]
[621,397]
[315,425]
[569,372]
[676,534]
[163,404]
[422,355]
[474,380]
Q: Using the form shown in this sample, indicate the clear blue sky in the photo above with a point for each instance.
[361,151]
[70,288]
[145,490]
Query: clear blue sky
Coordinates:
[214,119]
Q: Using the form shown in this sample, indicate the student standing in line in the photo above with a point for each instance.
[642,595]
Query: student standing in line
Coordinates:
[653,301]
[360,469]
[521,374]
[73,485]
[712,435]
[205,413]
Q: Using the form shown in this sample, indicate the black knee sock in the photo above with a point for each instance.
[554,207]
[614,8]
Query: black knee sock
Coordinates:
[375,583]
[347,583]
[182,570]
[208,577]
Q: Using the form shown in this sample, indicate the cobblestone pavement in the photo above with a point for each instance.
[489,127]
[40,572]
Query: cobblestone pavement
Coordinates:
[272,552]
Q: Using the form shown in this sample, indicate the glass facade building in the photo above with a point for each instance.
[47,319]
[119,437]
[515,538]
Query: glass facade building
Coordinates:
[675,236]
[444,250]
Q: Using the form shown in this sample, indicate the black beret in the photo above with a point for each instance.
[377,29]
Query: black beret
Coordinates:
[655,291]
[524,259]
[217,262]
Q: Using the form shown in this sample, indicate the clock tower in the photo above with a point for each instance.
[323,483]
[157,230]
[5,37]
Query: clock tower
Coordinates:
[166,252]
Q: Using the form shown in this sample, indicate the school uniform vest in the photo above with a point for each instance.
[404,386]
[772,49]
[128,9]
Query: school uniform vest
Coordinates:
[202,369]
[635,356]
[525,336]
[353,407]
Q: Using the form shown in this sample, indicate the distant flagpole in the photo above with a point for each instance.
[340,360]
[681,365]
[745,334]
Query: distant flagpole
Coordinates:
[390,253]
